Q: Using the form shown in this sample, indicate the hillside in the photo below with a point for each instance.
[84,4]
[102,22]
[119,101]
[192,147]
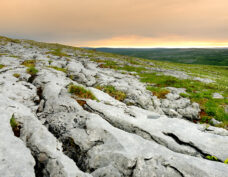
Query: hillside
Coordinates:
[72,112]
[207,56]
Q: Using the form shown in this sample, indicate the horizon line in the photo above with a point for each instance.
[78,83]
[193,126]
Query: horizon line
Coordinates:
[145,47]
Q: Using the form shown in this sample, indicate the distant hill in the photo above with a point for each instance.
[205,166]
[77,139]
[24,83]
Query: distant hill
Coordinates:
[209,56]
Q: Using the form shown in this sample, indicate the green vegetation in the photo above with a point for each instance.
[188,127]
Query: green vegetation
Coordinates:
[2,66]
[58,69]
[13,122]
[15,125]
[159,92]
[29,63]
[5,40]
[50,62]
[196,91]
[2,54]
[212,158]
[226,161]
[17,75]
[147,71]
[106,63]
[205,56]
[57,52]
[131,68]
[14,56]
[81,92]
[111,90]
[32,71]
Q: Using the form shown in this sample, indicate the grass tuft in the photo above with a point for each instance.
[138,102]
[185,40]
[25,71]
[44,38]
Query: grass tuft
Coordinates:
[226,161]
[17,75]
[29,63]
[213,158]
[57,52]
[15,126]
[32,71]
[58,69]
[2,66]
[81,92]
[111,90]
[159,92]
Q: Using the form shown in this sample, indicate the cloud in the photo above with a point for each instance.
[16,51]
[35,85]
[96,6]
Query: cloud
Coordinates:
[81,22]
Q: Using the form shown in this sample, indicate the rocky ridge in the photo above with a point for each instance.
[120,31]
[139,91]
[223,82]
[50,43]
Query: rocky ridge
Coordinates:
[142,136]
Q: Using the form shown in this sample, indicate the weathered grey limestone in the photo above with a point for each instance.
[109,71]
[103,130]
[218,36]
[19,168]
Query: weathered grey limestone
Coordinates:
[60,138]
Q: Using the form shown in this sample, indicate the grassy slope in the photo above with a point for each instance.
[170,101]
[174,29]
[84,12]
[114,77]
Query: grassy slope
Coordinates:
[197,91]
[213,56]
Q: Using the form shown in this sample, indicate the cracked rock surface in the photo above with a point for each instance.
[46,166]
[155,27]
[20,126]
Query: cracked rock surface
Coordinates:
[142,136]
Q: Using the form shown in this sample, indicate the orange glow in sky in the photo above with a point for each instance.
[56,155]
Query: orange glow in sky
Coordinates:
[118,23]
[142,42]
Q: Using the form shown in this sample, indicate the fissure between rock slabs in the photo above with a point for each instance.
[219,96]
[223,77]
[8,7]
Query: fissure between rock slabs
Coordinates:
[39,92]
[74,152]
[32,78]
[176,170]
[39,167]
[80,157]
[144,134]
[70,149]
[176,139]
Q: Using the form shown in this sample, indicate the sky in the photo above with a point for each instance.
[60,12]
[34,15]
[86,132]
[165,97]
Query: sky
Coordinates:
[118,23]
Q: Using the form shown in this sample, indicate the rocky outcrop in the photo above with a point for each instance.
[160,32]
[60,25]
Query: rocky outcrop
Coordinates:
[58,137]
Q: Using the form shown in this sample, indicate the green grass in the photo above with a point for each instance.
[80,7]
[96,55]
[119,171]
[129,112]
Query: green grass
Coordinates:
[2,66]
[131,68]
[214,56]
[50,62]
[58,69]
[2,54]
[15,125]
[29,63]
[13,122]
[14,56]
[196,91]
[57,52]
[159,92]
[106,63]
[5,40]
[226,161]
[32,71]
[113,92]
[213,158]
[17,75]
[81,92]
